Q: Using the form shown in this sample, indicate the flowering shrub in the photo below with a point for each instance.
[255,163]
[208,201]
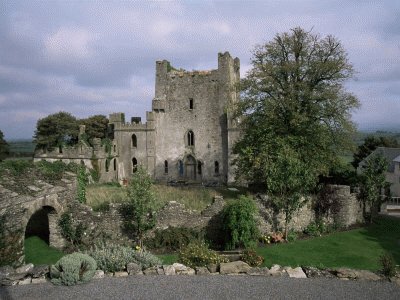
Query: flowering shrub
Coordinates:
[275,237]
[197,254]
[250,257]
[113,258]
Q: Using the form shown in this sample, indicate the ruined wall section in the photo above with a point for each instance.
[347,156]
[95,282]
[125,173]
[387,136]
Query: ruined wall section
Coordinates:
[175,116]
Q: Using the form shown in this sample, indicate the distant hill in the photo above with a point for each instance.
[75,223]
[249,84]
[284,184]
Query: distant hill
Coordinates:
[21,148]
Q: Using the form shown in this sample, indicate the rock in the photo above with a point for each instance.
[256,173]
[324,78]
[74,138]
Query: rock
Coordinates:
[312,272]
[6,271]
[213,268]
[120,274]
[160,271]
[98,274]
[345,273]
[367,275]
[277,271]
[24,269]
[234,267]
[133,269]
[39,271]
[202,271]
[39,280]
[27,280]
[256,271]
[150,271]
[169,270]
[295,273]
[396,280]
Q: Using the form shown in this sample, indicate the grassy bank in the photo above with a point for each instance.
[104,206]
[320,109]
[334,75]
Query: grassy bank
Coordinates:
[38,252]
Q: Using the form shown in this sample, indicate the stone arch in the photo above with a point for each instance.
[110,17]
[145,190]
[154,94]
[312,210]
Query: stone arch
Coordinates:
[41,208]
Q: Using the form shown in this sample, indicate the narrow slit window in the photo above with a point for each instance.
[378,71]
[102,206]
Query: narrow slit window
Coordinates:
[107,164]
[191,103]
[115,164]
[180,168]
[199,167]
[166,167]
[216,168]
[134,141]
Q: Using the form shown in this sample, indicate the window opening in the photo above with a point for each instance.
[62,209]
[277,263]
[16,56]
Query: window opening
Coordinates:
[134,165]
[191,103]
[199,167]
[180,168]
[166,167]
[134,141]
[216,167]
[190,137]
[115,164]
[107,164]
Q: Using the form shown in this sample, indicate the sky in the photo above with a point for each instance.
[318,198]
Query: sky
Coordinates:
[98,57]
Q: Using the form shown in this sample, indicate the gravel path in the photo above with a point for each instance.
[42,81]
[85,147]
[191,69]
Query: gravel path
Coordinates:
[207,287]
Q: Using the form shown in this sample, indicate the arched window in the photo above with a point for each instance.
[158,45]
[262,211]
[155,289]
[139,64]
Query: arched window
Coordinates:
[107,164]
[199,167]
[180,168]
[166,167]
[82,163]
[134,140]
[216,168]
[190,138]
[134,165]
[115,164]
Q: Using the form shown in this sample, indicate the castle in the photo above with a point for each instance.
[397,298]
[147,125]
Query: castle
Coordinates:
[188,136]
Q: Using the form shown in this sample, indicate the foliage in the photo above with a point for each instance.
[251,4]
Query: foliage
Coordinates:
[295,115]
[139,213]
[197,254]
[373,180]
[96,126]
[291,236]
[17,167]
[73,269]
[82,179]
[173,238]
[38,252]
[370,144]
[9,243]
[274,237]
[113,258]
[251,257]
[239,223]
[4,147]
[107,143]
[388,265]
[315,229]
[72,233]
[51,170]
[56,130]
[95,172]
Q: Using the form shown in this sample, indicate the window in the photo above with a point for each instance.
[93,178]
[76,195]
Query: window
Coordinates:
[115,148]
[134,165]
[107,164]
[166,167]
[216,168]
[191,103]
[190,138]
[115,164]
[180,168]
[134,140]
[59,149]
[199,167]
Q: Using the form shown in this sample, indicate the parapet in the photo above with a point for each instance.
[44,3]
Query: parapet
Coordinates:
[117,118]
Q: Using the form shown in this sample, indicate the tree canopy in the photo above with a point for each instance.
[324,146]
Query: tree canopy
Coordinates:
[4,148]
[294,113]
[96,126]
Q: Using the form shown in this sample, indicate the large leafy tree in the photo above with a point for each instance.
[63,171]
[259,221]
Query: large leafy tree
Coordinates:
[4,148]
[370,144]
[56,130]
[295,114]
[96,126]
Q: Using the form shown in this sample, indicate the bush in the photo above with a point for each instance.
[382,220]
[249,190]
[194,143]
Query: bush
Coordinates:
[114,258]
[250,257]
[73,269]
[17,167]
[239,224]
[388,265]
[197,254]
[173,238]
[73,234]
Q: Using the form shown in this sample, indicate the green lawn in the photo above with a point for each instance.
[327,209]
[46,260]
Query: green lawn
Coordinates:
[359,248]
[38,252]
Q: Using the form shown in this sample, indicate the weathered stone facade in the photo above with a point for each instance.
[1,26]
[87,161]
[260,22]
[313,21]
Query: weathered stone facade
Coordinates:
[188,135]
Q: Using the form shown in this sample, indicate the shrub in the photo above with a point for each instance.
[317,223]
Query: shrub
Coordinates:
[388,265]
[250,257]
[17,167]
[73,269]
[291,236]
[197,254]
[73,234]
[114,258]
[173,238]
[239,224]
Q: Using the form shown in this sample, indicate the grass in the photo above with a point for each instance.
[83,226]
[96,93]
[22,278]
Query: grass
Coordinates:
[358,248]
[168,259]
[39,253]
[194,198]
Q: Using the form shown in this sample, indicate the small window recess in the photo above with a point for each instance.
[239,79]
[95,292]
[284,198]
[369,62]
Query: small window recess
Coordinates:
[166,167]
[216,168]
[191,103]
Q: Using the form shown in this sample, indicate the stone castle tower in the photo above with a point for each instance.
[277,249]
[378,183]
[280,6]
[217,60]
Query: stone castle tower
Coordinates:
[189,133]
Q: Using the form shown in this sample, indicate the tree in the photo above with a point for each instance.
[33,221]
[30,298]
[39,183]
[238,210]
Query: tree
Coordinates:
[56,130]
[373,182]
[4,148]
[370,144]
[295,114]
[96,126]
[140,213]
